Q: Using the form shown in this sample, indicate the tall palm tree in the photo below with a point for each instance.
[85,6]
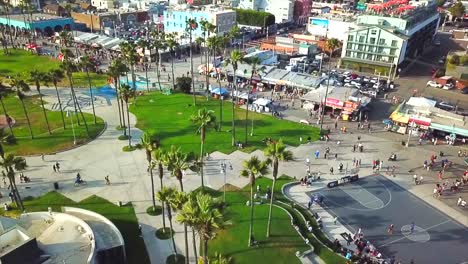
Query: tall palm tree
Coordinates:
[192,25]
[253,168]
[207,220]
[177,201]
[86,63]
[254,62]
[207,28]
[172,44]
[275,152]
[158,44]
[68,67]
[200,42]
[114,73]
[37,77]
[176,163]
[203,119]
[333,44]
[159,158]
[11,165]
[213,44]
[234,32]
[3,93]
[126,92]
[54,76]
[5,4]
[236,57]
[164,196]
[188,216]
[20,87]
[128,50]
[144,44]
[149,144]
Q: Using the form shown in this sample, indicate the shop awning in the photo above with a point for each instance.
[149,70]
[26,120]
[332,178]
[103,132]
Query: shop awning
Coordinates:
[423,121]
[450,129]
[399,117]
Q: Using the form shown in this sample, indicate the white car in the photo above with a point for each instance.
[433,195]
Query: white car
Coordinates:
[348,85]
[346,73]
[433,84]
[448,86]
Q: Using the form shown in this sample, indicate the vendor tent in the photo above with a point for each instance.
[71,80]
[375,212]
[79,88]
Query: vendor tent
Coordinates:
[219,91]
[421,101]
[262,102]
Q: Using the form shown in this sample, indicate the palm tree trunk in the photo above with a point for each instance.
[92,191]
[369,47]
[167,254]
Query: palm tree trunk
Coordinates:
[251,213]
[205,251]
[202,145]
[191,70]
[271,206]
[60,105]
[181,184]
[45,114]
[220,104]
[70,81]
[194,242]
[123,116]
[18,196]
[172,231]
[207,74]
[15,198]
[27,118]
[158,70]
[118,101]
[172,63]
[128,125]
[233,112]
[6,115]
[246,117]
[160,167]
[91,94]
[81,112]
[152,186]
[146,76]
[186,244]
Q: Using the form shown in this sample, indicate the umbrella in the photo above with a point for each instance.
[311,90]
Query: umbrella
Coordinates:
[220,91]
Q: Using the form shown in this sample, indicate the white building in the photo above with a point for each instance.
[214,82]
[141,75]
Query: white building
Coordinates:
[331,26]
[103,4]
[283,10]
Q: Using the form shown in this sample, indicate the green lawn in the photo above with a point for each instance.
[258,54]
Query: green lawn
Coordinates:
[282,245]
[43,142]
[22,61]
[123,217]
[168,116]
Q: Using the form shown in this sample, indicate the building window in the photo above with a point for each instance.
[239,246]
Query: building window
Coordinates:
[348,53]
[372,40]
[350,38]
[393,51]
[371,49]
[378,58]
[360,47]
[381,41]
[349,46]
[369,56]
[394,43]
[359,55]
[380,50]
[373,32]
[391,59]
[361,38]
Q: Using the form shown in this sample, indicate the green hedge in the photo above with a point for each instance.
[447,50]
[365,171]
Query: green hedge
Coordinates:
[254,18]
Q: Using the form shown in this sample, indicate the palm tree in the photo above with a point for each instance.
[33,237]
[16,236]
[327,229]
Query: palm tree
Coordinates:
[207,28]
[253,168]
[68,67]
[6,8]
[12,164]
[220,259]
[254,62]
[149,144]
[126,93]
[37,77]
[164,196]
[144,44]
[158,45]
[332,44]
[275,152]
[21,86]
[177,201]
[128,50]
[192,25]
[236,57]
[87,64]
[204,119]
[176,162]
[65,38]
[3,93]
[200,42]
[207,220]
[234,32]
[188,216]
[54,76]
[172,44]
[159,158]
[214,44]
[114,73]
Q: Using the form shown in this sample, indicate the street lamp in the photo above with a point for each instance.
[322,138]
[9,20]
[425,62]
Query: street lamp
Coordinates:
[73,127]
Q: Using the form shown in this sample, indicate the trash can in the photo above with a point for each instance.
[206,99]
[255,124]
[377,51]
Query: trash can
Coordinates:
[56,185]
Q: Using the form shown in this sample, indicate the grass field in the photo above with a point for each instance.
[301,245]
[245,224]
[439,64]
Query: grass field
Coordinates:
[123,217]
[22,61]
[43,142]
[168,116]
[283,243]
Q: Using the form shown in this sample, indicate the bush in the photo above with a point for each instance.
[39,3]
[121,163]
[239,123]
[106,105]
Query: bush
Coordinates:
[184,84]
[254,18]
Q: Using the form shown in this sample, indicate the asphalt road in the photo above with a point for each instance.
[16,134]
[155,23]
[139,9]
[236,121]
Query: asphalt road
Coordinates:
[373,203]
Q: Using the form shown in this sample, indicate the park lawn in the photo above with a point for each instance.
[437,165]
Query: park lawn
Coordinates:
[168,116]
[123,217]
[283,243]
[60,139]
[22,61]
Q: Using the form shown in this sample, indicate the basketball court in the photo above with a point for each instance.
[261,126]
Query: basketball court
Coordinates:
[373,203]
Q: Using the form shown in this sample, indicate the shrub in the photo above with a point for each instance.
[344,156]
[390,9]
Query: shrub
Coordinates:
[254,18]
[184,84]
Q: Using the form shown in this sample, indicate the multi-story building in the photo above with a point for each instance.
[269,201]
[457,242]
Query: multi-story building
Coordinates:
[302,10]
[283,10]
[103,4]
[98,21]
[175,19]
[386,37]
[331,26]
[258,5]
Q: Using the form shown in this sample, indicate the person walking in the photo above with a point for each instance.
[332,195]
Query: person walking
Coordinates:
[107,180]
[439,175]
[390,229]
[412,228]
[53,167]
[57,166]
[336,156]
[42,157]
[331,170]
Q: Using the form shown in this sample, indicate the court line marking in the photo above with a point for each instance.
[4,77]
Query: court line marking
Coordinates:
[423,229]
[355,196]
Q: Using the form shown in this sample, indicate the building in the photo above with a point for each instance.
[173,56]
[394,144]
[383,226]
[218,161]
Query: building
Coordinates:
[35,3]
[74,236]
[98,21]
[331,26]
[103,4]
[389,34]
[302,10]
[258,5]
[175,19]
[42,23]
[55,9]
[283,10]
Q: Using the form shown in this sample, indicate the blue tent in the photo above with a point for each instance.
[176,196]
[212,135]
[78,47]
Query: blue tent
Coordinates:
[220,91]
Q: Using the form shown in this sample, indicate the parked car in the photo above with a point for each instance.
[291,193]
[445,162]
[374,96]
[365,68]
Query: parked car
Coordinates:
[445,106]
[448,86]
[433,84]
